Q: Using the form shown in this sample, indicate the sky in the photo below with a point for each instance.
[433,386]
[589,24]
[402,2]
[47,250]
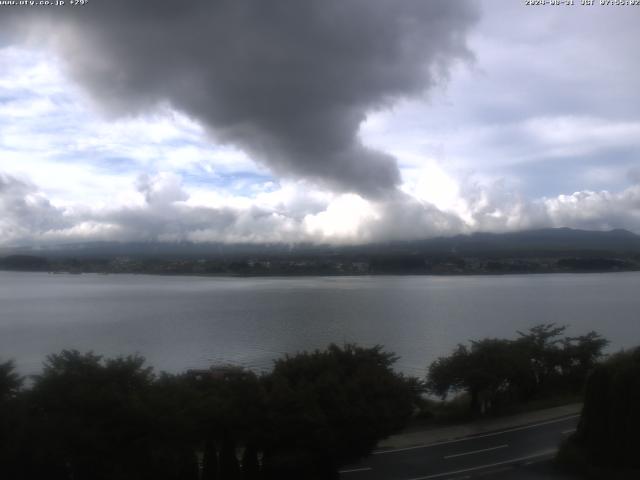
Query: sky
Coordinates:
[333,121]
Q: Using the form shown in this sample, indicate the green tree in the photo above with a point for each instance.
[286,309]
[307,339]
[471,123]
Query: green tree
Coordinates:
[605,444]
[580,356]
[610,420]
[230,409]
[250,464]
[10,381]
[210,461]
[486,371]
[542,345]
[330,407]
[495,372]
[11,417]
[174,427]
[98,418]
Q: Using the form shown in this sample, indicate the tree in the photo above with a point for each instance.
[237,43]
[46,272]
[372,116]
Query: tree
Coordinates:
[230,408]
[174,431]
[250,464]
[494,372]
[210,461]
[485,371]
[11,415]
[541,344]
[89,417]
[580,356]
[10,381]
[330,407]
[98,418]
[229,465]
[607,434]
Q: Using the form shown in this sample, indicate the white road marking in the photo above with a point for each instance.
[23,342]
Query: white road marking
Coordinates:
[567,432]
[353,470]
[481,467]
[476,451]
[466,439]
[495,470]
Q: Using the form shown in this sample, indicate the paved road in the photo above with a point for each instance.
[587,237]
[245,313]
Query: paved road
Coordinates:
[490,455]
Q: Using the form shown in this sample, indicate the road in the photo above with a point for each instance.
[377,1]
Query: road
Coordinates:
[489,455]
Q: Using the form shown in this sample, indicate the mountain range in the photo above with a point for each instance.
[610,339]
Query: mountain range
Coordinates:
[530,243]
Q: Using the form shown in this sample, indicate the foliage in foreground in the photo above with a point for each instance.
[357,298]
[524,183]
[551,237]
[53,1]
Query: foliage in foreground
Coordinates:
[86,417]
[498,372]
[330,407]
[606,439]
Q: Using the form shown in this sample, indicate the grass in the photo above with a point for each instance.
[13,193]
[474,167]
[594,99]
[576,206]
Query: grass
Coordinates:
[436,413]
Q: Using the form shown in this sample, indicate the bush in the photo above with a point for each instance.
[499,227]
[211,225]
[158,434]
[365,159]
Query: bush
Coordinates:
[607,435]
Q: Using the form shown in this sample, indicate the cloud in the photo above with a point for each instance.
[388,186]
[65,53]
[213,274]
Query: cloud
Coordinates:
[345,218]
[25,213]
[597,210]
[166,212]
[162,189]
[289,82]
[550,94]
[343,104]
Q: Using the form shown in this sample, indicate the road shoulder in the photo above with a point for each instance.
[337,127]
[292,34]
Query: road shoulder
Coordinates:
[479,427]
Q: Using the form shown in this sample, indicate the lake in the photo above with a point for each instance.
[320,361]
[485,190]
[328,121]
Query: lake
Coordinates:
[191,322]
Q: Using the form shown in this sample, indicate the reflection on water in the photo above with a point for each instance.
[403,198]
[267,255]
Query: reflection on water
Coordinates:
[184,322]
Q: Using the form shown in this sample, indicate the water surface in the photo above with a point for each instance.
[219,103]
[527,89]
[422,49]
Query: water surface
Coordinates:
[187,322]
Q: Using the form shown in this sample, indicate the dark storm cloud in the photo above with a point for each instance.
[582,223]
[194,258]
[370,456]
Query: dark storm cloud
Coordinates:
[289,81]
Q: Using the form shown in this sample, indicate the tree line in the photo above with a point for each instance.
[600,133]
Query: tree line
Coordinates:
[495,372]
[89,417]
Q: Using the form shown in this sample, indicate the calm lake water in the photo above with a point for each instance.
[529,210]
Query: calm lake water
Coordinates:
[187,322]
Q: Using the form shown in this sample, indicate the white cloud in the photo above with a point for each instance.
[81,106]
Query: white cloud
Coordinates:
[597,210]
[162,189]
[348,217]
[25,213]
[165,211]
[537,117]
[51,135]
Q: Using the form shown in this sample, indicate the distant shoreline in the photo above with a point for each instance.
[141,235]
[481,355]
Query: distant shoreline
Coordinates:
[328,274]
[527,252]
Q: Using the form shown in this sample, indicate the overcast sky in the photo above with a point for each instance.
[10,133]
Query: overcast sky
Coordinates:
[333,121]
